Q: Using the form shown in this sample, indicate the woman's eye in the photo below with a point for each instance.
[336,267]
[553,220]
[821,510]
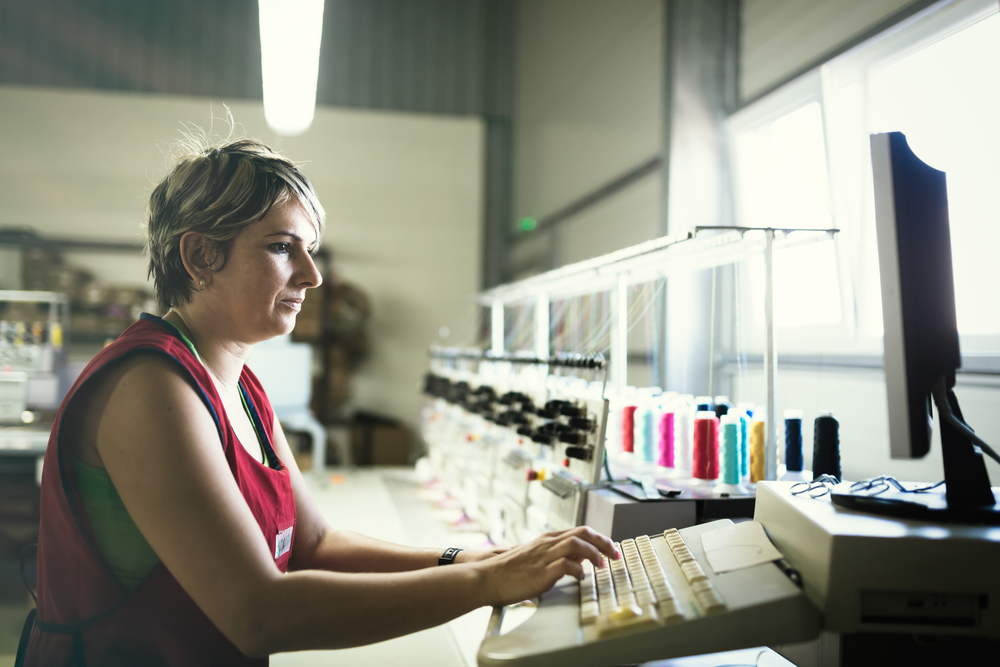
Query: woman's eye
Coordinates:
[281,248]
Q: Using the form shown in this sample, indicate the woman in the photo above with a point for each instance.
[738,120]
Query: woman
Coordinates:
[171,505]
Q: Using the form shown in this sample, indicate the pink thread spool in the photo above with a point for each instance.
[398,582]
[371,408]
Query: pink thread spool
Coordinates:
[628,429]
[666,440]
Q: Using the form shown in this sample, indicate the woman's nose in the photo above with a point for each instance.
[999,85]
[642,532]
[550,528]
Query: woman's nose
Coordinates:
[309,275]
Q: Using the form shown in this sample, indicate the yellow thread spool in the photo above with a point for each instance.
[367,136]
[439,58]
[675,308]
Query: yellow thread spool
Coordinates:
[756,451]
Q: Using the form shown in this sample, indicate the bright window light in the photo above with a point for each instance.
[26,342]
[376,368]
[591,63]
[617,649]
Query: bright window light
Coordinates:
[290,32]
[946,99]
[806,288]
[782,175]
[783,183]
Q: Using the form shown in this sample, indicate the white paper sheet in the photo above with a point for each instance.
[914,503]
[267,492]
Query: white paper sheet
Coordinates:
[735,547]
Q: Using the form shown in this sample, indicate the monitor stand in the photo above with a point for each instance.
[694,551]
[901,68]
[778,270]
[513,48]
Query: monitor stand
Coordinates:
[967,498]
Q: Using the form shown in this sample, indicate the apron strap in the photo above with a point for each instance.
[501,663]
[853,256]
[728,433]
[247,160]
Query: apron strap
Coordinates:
[22,646]
[78,650]
[29,623]
[74,629]
[24,576]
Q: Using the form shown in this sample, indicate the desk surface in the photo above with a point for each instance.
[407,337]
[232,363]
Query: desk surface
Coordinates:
[869,573]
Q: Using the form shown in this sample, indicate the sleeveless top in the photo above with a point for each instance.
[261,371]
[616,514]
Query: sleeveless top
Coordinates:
[84,614]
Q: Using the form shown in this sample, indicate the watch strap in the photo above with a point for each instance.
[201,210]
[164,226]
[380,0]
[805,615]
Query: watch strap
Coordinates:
[448,557]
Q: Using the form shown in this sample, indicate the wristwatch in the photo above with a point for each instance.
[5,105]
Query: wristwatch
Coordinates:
[448,557]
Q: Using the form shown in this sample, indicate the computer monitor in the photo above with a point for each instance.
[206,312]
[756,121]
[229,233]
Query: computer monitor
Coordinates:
[921,340]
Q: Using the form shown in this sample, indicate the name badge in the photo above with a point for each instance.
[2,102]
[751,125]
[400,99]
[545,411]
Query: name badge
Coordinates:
[283,544]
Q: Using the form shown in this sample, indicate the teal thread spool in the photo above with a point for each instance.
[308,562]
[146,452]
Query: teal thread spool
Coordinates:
[648,441]
[729,453]
[745,412]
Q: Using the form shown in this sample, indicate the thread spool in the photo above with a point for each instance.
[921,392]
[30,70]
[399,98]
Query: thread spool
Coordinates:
[729,449]
[722,406]
[652,435]
[705,450]
[826,446]
[665,441]
[628,429]
[746,407]
[793,440]
[704,404]
[639,433]
[744,418]
[757,451]
[682,437]
[644,434]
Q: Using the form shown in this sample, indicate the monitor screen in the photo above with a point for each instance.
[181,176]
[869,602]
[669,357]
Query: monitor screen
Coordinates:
[921,345]
[918,293]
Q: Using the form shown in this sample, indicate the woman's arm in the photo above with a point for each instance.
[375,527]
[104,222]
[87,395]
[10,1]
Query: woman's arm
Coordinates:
[319,547]
[161,449]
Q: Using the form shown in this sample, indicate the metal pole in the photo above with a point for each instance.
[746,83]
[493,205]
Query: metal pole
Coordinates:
[497,327]
[619,335]
[542,326]
[770,361]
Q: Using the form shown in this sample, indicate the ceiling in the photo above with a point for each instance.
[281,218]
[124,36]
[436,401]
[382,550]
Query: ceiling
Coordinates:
[412,55]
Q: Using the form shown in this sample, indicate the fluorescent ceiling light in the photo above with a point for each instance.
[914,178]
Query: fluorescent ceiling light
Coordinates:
[290,32]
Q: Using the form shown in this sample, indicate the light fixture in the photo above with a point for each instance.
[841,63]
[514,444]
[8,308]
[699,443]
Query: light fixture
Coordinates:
[290,32]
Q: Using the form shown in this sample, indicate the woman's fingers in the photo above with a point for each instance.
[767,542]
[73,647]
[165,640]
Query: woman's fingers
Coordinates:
[531,569]
[564,566]
[578,549]
[588,535]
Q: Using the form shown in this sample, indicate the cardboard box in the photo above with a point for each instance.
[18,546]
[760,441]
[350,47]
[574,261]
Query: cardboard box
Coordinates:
[380,442]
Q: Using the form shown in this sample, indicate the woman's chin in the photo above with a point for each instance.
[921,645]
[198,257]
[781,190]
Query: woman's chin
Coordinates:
[286,325]
[275,327]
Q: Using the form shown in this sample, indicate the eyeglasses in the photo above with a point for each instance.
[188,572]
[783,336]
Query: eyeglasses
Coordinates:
[877,485]
[817,488]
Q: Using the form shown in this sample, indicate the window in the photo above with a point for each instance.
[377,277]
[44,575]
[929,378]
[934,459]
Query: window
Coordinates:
[801,159]
[782,181]
[946,98]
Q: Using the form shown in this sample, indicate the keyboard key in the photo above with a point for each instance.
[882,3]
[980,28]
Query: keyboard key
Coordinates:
[711,603]
[644,597]
[627,619]
[588,613]
[708,598]
[669,613]
[683,554]
[692,571]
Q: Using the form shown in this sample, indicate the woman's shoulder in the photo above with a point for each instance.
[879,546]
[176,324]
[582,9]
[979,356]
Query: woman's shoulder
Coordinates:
[135,385]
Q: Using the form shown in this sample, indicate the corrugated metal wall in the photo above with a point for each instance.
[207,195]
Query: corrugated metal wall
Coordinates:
[417,55]
[185,47]
[780,37]
[410,55]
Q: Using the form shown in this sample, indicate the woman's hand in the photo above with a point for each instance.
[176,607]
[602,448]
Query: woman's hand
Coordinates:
[528,570]
[476,555]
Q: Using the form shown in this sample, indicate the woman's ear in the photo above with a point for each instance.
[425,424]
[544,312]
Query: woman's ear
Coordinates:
[198,254]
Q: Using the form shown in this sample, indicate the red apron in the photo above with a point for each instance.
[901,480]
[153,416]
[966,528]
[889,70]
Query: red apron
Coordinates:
[84,615]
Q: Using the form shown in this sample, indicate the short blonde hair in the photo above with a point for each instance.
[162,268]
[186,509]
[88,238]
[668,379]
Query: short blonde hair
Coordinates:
[217,191]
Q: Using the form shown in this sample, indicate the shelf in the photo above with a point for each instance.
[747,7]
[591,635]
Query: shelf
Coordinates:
[28,296]
[700,248]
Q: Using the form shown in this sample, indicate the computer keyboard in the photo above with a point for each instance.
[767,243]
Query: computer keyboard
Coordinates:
[662,600]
